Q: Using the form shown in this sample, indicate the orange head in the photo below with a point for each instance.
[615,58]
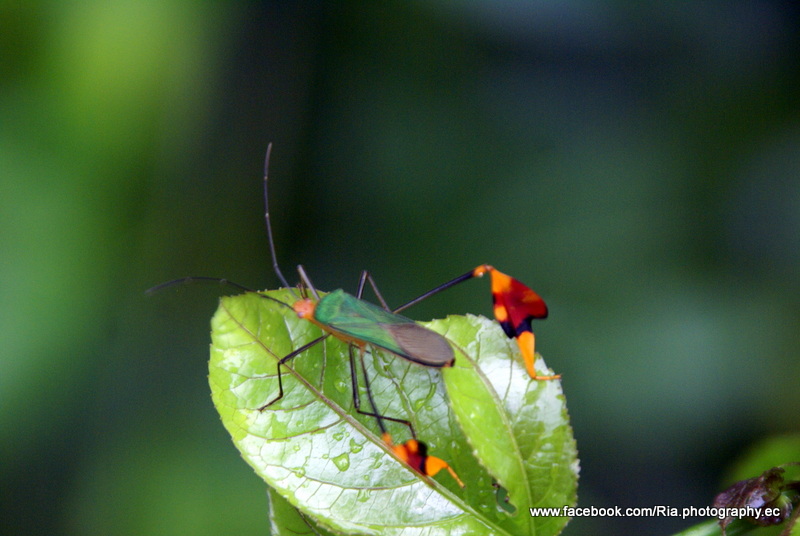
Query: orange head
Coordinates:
[304,308]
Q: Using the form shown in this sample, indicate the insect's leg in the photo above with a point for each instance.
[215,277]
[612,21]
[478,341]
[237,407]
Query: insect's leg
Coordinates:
[361,282]
[354,388]
[357,400]
[415,454]
[476,272]
[283,360]
[366,276]
[515,307]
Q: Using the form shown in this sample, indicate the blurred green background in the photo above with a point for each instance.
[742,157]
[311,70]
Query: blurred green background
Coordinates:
[636,165]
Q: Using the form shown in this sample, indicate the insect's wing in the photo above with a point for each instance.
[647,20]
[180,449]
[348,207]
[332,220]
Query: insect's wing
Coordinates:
[364,322]
[357,320]
[421,345]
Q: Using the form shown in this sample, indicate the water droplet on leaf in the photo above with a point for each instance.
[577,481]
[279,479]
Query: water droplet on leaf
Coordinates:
[342,461]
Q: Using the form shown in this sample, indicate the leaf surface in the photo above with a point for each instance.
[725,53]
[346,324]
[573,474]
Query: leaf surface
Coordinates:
[518,426]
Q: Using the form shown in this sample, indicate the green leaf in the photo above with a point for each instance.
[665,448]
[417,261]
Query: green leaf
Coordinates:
[518,426]
[329,462]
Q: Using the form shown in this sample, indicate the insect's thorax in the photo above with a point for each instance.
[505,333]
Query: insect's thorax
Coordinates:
[308,309]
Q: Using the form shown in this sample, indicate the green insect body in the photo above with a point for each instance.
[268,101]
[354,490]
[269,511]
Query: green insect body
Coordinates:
[362,323]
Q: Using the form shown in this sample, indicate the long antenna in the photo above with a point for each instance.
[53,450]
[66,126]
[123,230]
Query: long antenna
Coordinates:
[195,279]
[269,226]
[201,278]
